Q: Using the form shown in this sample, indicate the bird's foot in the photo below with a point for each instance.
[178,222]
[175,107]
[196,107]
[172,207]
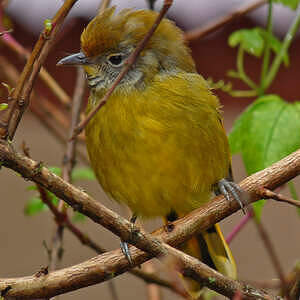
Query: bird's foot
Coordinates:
[227,188]
[126,251]
[124,245]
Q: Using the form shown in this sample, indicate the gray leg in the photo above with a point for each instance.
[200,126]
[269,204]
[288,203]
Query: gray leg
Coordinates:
[228,188]
[124,245]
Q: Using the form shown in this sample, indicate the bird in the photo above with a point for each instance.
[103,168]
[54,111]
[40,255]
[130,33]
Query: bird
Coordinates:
[158,144]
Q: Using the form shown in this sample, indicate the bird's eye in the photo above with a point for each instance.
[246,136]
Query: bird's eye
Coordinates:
[115,59]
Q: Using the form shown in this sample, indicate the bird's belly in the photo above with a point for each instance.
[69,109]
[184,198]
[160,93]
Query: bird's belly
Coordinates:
[153,174]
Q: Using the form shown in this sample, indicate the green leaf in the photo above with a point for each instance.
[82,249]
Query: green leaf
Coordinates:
[274,43]
[3,106]
[34,206]
[293,4]
[55,170]
[78,217]
[83,174]
[250,39]
[53,198]
[32,188]
[268,130]
[258,207]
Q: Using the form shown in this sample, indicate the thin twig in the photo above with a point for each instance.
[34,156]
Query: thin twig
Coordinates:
[199,33]
[20,96]
[47,113]
[153,290]
[267,194]
[63,219]
[295,282]
[129,62]
[102,268]
[266,284]
[272,254]
[69,160]
[14,45]
[245,219]
[151,4]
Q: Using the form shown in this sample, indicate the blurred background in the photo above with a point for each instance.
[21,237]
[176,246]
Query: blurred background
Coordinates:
[21,246]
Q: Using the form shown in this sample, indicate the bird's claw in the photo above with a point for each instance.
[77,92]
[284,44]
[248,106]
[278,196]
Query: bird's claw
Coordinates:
[126,251]
[124,245]
[228,188]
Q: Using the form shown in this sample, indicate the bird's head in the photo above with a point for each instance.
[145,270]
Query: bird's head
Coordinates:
[110,38]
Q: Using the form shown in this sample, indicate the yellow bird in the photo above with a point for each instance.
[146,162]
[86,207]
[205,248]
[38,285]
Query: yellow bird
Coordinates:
[158,144]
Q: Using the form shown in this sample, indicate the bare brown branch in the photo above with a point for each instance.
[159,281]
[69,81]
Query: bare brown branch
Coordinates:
[50,116]
[61,218]
[272,254]
[295,280]
[200,219]
[70,154]
[69,160]
[61,95]
[19,100]
[199,33]
[267,194]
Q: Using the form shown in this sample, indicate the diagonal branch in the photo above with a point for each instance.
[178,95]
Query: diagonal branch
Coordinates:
[101,268]
[69,161]
[47,113]
[60,218]
[14,45]
[198,33]
[130,61]
[19,100]
[267,194]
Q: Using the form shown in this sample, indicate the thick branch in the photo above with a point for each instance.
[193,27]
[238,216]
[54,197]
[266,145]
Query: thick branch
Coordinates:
[60,218]
[101,268]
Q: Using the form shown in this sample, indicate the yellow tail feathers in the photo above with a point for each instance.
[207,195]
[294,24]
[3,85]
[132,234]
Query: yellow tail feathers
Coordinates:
[219,251]
[211,248]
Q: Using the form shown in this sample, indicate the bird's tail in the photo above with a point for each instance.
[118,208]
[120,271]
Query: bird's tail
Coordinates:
[211,248]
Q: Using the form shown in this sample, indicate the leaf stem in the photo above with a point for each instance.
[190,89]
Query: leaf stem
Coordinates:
[243,93]
[267,52]
[241,71]
[279,57]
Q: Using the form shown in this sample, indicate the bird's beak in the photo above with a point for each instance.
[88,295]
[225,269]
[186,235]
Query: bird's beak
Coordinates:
[74,60]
